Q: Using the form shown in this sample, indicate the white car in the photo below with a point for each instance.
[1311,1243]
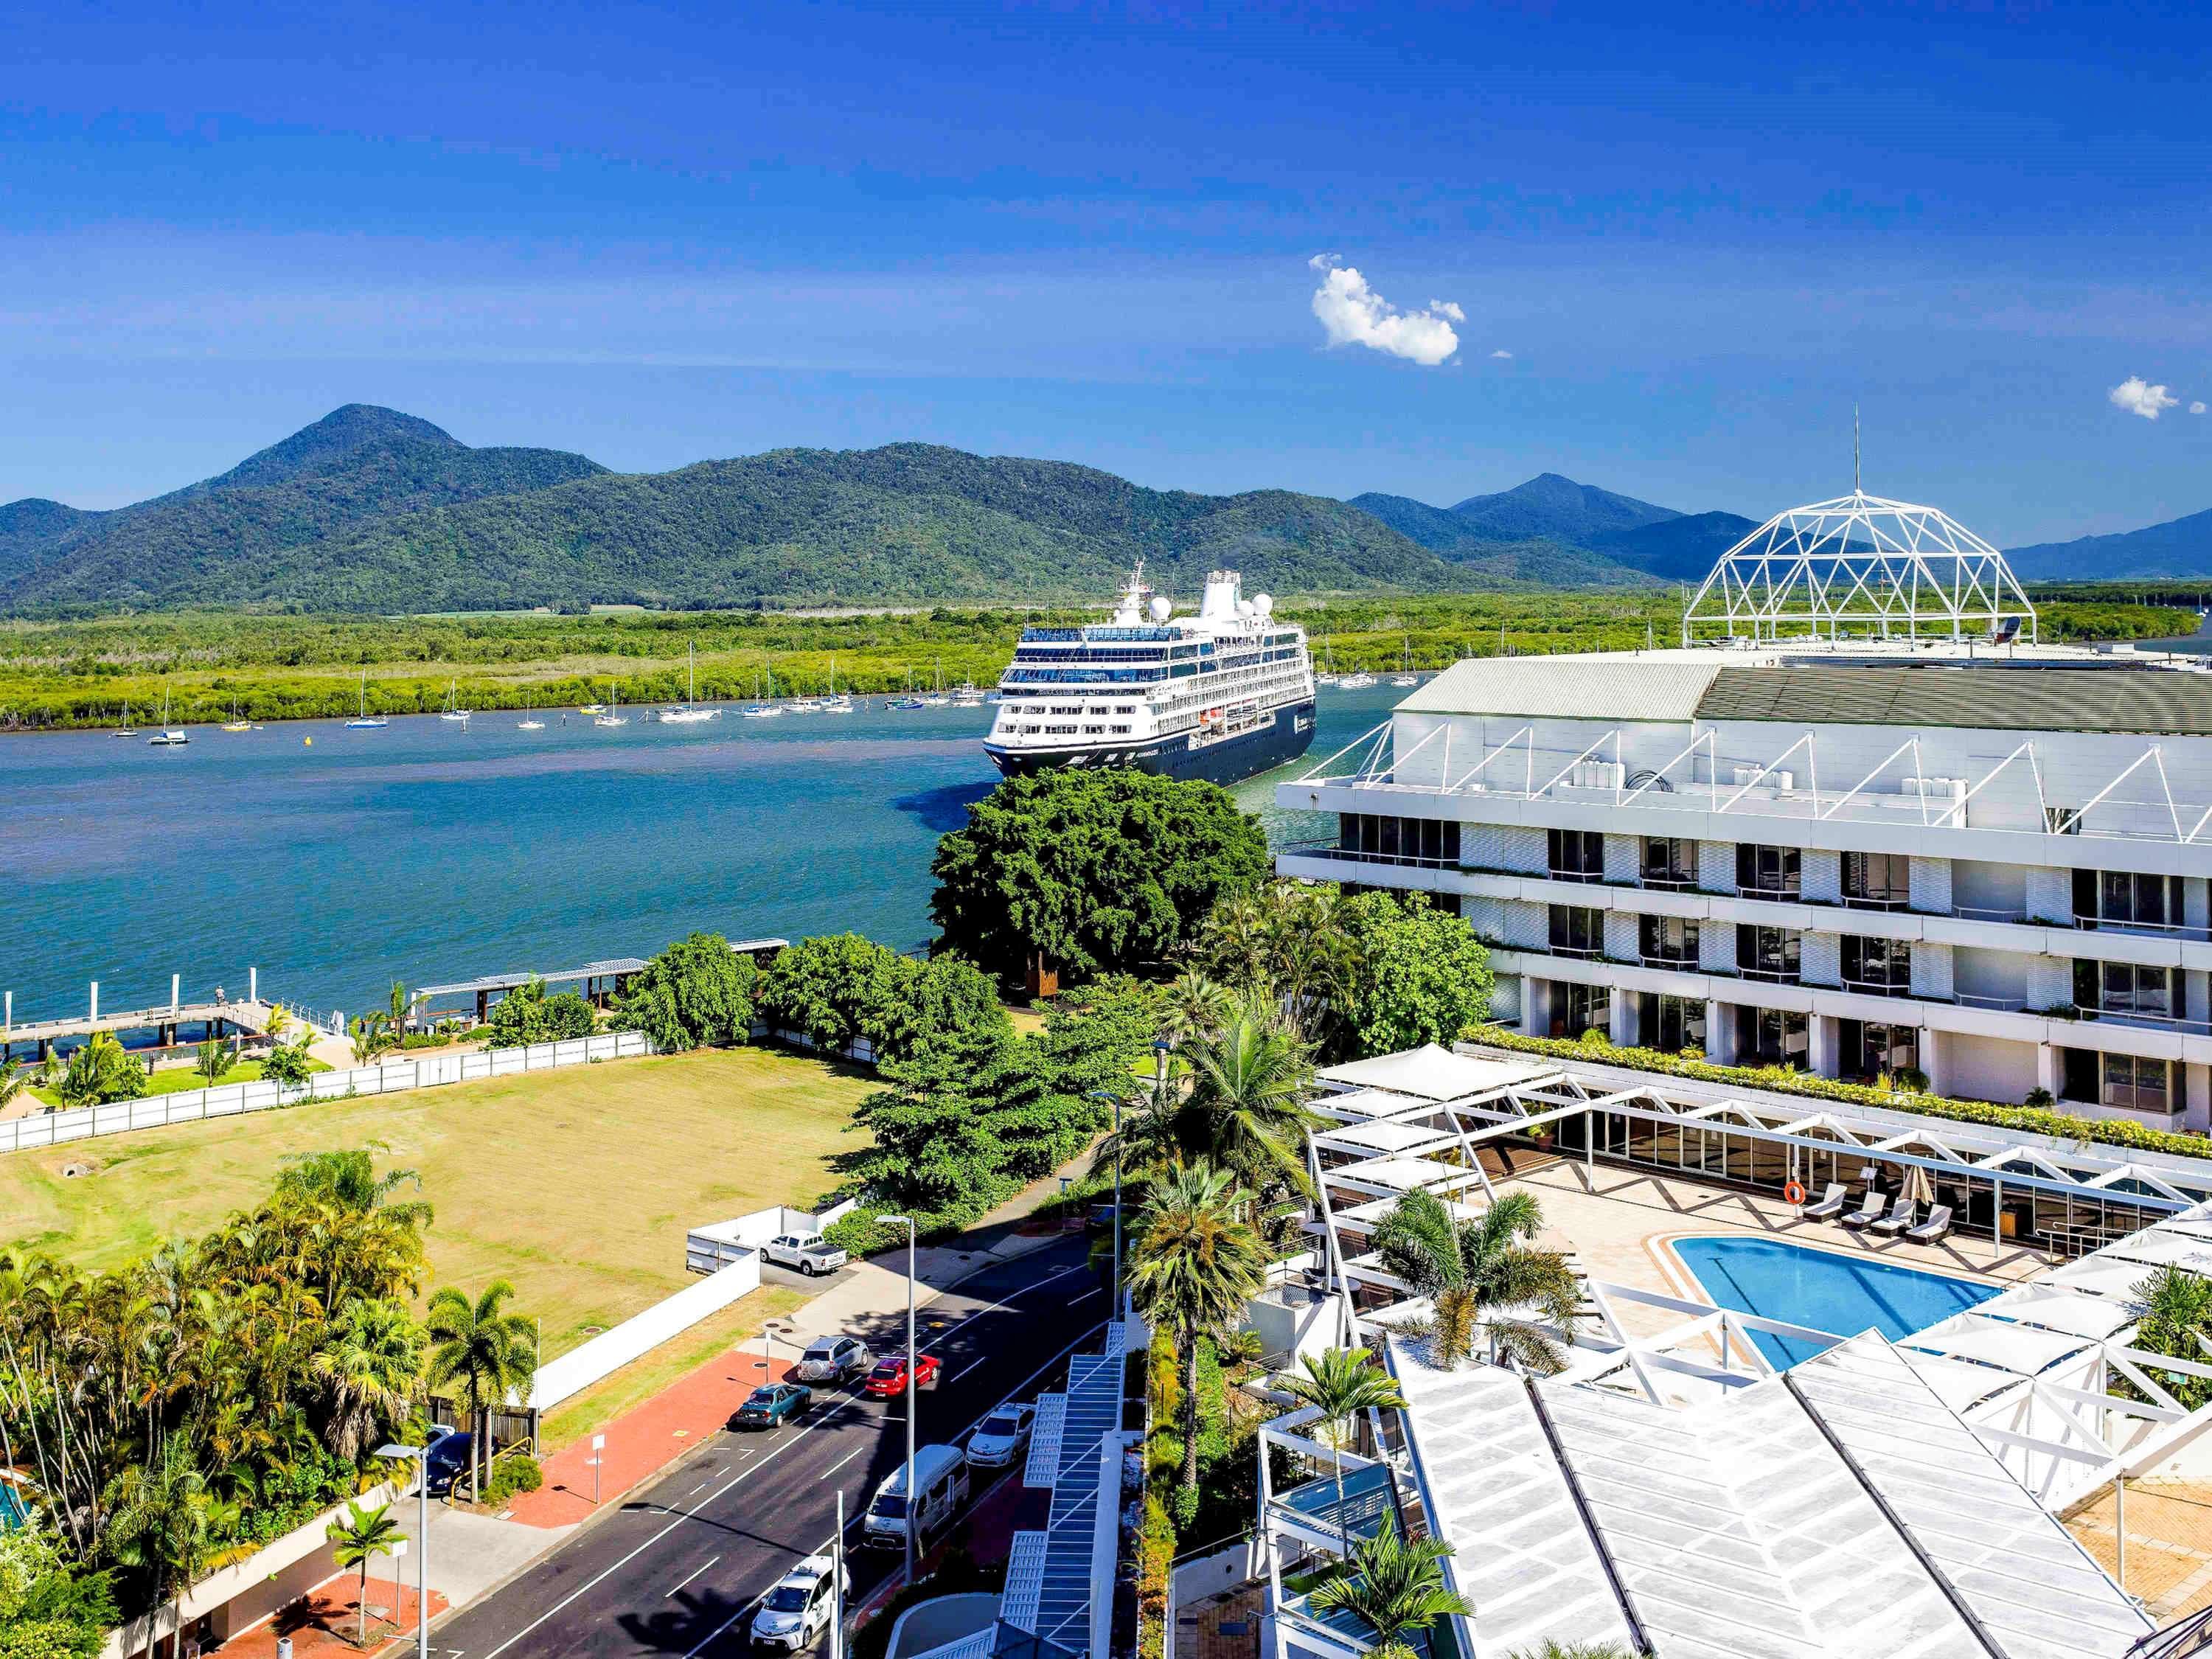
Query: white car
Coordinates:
[1001,1438]
[798,1606]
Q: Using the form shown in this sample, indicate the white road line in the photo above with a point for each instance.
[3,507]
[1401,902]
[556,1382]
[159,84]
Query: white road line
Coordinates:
[967,1368]
[841,1462]
[701,1487]
[1094,1290]
[1001,1307]
[599,1578]
[690,1575]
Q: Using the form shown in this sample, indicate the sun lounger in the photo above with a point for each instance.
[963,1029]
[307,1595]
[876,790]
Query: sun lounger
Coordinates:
[1936,1229]
[1829,1204]
[1896,1220]
[1868,1212]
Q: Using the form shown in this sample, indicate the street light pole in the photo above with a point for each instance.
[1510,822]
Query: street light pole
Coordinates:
[912,1507]
[420,1457]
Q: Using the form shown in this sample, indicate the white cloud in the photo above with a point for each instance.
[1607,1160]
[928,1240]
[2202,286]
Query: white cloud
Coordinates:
[1502,354]
[2137,397]
[1355,314]
[2197,408]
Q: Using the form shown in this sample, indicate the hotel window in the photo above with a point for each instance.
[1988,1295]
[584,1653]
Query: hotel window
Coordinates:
[2122,898]
[1578,1008]
[1671,1024]
[1877,881]
[1883,966]
[1577,931]
[1667,940]
[2142,1085]
[1576,855]
[1869,1048]
[1389,839]
[1669,861]
[1768,953]
[1767,872]
[1774,1037]
[2125,988]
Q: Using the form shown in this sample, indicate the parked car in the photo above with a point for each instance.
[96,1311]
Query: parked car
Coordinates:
[807,1253]
[940,1477]
[889,1376]
[448,1459]
[798,1606]
[771,1404]
[834,1359]
[1002,1436]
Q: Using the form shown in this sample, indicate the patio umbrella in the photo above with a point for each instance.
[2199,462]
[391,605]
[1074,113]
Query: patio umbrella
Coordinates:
[1919,1189]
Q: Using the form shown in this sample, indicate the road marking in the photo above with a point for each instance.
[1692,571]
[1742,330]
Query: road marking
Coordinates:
[714,1635]
[1094,1291]
[701,1487]
[602,1577]
[690,1575]
[841,1462]
[967,1368]
[1003,1307]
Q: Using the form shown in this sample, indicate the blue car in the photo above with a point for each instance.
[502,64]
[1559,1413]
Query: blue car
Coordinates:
[447,1461]
[771,1404]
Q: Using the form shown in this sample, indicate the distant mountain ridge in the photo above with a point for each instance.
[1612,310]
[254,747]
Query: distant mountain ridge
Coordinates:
[369,510]
[2181,547]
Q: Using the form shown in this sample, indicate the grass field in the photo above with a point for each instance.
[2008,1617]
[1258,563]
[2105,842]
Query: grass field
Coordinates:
[576,1184]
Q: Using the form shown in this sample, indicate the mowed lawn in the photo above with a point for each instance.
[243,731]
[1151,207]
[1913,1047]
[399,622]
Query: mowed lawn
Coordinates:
[577,1185]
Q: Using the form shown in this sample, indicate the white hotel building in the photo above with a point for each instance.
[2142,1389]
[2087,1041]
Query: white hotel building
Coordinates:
[1915,840]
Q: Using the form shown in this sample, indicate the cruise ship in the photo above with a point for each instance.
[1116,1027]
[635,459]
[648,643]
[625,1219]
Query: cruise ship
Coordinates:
[1219,696]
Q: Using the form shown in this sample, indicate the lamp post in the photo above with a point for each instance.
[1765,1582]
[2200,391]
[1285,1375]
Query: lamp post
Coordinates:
[420,1457]
[772,1329]
[912,1506]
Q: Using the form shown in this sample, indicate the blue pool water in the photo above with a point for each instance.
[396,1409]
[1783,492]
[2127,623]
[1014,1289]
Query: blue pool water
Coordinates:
[1822,1290]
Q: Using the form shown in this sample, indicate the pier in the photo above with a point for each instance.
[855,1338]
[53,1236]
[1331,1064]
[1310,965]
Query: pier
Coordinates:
[215,1017]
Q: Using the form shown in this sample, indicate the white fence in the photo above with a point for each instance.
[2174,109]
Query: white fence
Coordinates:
[571,1373]
[392,1077]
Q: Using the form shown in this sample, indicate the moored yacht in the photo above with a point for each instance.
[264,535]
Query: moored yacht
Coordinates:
[1220,694]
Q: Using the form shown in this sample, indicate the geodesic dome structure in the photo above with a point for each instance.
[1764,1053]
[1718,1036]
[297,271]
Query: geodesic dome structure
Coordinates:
[1859,564]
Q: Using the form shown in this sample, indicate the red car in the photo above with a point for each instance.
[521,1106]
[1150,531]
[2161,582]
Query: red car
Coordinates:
[889,1376]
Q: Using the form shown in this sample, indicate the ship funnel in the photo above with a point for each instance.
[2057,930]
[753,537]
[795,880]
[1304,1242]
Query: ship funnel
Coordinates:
[1222,589]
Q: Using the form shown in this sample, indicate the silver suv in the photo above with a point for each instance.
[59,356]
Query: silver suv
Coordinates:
[834,1359]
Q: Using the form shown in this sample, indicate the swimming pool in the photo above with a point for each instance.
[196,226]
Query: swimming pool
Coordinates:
[1821,1289]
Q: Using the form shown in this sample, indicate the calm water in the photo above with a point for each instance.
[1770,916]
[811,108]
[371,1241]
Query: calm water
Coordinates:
[1823,1290]
[429,852]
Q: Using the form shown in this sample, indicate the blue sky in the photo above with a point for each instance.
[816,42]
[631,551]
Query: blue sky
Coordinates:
[658,234]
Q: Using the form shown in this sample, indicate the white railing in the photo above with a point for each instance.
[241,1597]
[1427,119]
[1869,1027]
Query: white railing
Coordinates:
[392,1077]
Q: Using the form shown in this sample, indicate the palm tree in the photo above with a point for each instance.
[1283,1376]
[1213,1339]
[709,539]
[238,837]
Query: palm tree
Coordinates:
[1394,1586]
[490,1353]
[361,1535]
[1196,1264]
[13,1082]
[367,1037]
[370,1367]
[2177,1321]
[1486,1263]
[211,1059]
[1193,1004]
[1341,1384]
[1551,1649]
[396,1009]
[158,1522]
[1246,1108]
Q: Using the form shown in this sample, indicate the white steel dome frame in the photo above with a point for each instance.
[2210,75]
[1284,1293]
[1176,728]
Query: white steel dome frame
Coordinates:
[1862,563]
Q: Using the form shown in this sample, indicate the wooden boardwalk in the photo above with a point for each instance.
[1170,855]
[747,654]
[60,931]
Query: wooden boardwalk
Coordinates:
[250,1019]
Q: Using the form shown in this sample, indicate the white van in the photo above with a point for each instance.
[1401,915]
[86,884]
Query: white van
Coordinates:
[940,1477]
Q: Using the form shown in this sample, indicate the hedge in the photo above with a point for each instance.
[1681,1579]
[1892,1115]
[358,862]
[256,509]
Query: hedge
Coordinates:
[2032,1120]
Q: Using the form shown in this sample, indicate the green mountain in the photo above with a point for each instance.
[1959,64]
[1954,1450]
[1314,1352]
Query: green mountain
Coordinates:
[1549,530]
[1681,548]
[372,510]
[2181,547]
[1549,507]
[357,466]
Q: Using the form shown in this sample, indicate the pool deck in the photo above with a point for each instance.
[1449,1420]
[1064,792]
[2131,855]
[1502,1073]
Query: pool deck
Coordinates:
[1619,1226]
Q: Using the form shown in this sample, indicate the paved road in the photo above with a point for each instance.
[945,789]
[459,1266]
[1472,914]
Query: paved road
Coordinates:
[676,1571]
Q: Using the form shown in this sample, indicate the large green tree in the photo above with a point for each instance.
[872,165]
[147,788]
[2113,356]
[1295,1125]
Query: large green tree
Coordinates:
[696,994]
[49,1609]
[1091,873]
[834,988]
[1420,974]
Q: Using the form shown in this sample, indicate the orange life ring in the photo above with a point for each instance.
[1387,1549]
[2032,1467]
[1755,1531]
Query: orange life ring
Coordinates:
[1794,1193]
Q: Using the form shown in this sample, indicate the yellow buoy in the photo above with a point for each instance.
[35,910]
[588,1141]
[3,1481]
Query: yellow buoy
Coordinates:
[310,742]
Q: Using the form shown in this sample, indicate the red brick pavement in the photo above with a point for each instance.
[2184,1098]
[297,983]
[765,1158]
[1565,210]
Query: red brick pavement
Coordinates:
[644,1440]
[322,1623]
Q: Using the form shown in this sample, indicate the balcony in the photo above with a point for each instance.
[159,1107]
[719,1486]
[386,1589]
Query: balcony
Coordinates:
[1879,987]
[1330,849]
[1369,1504]
[1686,963]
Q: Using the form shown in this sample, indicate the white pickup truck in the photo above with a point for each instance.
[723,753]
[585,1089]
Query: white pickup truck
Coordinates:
[806,1252]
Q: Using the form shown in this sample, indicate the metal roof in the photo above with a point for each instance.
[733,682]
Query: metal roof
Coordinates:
[515,981]
[1654,686]
[1985,698]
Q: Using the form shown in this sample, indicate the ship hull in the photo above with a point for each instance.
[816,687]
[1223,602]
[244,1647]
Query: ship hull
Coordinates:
[1226,762]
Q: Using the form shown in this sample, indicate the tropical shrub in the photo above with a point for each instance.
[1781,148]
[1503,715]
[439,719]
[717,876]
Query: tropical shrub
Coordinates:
[100,1072]
[1422,975]
[696,994]
[527,1015]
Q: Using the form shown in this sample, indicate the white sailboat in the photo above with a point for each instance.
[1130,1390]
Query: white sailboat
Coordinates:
[1328,675]
[613,715]
[453,711]
[365,721]
[688,712]
[125,730]
[169,737]
[836,702]
[529,722]
[765,709]
[937,699]
[1406,676]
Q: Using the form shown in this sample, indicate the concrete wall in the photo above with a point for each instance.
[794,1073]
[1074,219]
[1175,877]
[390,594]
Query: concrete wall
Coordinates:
[1988,1068]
